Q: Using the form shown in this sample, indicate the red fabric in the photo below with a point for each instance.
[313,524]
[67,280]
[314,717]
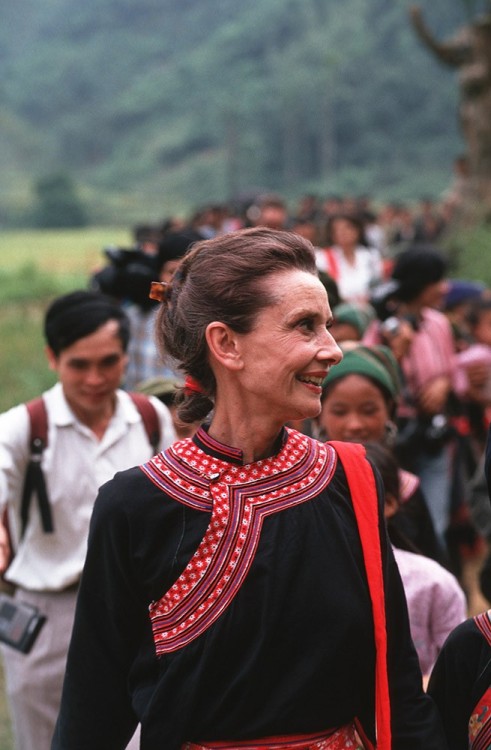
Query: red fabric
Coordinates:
[331,263]
[191,385]
[363,491]
[339,739]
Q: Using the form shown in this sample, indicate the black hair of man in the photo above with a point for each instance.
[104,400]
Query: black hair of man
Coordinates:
[80,313]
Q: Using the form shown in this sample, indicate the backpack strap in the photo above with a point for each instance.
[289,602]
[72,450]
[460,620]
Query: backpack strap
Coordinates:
[149,417]
[34,480]
[363,490]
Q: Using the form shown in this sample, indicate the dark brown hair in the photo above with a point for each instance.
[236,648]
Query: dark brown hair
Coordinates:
[354,219]
[222,279]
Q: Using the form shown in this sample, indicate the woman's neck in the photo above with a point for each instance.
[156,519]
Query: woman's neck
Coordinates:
[349,252]
[253,437]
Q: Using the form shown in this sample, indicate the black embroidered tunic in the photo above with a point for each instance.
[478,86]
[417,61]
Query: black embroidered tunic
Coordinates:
[229,602]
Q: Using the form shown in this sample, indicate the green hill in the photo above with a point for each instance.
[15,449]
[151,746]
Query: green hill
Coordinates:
[157,106]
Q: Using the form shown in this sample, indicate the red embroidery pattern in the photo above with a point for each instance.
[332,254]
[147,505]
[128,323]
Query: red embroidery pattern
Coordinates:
[483,622]
[480,724]
[340,739]
[240,498]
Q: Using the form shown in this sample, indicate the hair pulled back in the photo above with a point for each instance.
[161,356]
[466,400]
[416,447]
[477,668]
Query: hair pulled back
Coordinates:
[222,279]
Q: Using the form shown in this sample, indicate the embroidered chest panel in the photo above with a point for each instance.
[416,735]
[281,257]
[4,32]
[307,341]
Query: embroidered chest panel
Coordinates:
[483,622]
[239,499]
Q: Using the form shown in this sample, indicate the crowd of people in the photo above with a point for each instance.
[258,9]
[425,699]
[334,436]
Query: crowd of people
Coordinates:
[264,465]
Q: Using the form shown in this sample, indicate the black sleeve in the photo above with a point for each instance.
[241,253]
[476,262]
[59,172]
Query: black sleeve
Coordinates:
[96,710]
[461,665]
[135,533]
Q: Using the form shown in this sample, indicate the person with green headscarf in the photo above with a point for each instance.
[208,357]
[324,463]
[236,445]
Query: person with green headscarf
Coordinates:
[359,402]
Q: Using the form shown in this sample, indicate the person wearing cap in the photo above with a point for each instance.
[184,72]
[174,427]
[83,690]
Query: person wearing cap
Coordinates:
[144,361]
[350,321]
[460,296]
[94,430]
[428,368]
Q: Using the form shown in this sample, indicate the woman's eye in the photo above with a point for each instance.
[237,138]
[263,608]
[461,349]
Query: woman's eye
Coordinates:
[307,323]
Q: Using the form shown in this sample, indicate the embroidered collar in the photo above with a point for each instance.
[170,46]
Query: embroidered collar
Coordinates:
[226,453]
[188,468]
[238,499]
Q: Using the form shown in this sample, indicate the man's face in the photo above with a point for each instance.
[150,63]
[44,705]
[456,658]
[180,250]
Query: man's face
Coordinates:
[90,371]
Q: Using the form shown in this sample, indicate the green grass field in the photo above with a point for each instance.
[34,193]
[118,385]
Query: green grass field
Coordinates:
[34,268]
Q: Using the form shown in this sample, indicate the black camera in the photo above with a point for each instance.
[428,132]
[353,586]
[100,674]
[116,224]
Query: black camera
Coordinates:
[128,275]
[20,623]
[385,303]
[383,299]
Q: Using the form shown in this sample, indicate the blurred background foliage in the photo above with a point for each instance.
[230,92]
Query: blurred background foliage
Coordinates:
[146,109]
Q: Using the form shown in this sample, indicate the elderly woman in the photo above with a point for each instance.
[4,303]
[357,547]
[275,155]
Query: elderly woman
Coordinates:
[239,590]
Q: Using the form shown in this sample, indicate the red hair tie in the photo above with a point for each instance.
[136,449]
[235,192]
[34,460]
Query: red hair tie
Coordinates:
[192,386]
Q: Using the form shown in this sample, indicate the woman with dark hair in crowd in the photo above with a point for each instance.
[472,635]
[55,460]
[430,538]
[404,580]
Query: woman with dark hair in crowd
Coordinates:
[347,258]
[239,590]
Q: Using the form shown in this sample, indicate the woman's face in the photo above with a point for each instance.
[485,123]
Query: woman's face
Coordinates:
[286,356]
[344,233]
[354,410]
[433,295]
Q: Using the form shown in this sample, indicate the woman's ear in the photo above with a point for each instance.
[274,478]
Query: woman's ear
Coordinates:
[391,505]
[223,345]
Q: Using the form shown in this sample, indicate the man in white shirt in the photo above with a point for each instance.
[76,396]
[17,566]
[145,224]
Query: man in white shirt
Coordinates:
[94,430]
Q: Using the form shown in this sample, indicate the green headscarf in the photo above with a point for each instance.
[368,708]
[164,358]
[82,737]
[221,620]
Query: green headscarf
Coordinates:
[375,362]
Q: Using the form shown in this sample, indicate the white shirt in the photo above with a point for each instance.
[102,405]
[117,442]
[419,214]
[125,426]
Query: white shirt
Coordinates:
[355,279]
[75,464]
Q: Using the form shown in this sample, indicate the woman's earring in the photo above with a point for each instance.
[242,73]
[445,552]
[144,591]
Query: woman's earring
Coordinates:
[390,433]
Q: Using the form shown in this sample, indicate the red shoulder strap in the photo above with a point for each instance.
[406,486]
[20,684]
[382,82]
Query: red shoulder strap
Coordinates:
[38,418]
[331,263]
[149,417]
[361,482]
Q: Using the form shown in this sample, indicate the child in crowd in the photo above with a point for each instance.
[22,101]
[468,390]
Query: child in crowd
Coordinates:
[436,602]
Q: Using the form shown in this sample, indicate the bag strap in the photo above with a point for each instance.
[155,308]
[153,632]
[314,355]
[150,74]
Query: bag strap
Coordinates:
[149,417]
[363,490]
[34,480]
